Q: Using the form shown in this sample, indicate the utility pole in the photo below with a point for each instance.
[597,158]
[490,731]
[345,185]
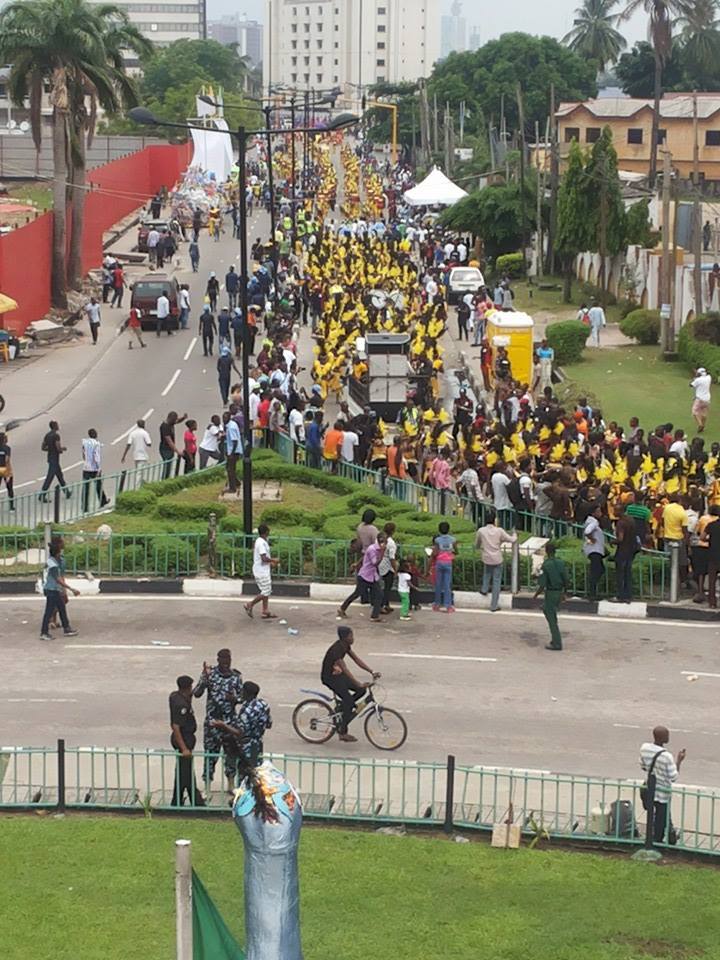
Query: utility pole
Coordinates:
[446,124]
[538,212]
[554,179]
[697,214]
[523,221]
[503,137]
[666,284]
[435,124]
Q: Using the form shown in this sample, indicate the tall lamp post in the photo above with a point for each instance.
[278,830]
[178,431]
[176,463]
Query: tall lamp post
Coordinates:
[144,116]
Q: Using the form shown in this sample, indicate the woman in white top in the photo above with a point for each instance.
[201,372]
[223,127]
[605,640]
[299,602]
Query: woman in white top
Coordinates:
[388,566]
[210,444]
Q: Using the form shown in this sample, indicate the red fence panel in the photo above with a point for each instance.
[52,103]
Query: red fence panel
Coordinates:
[115,190]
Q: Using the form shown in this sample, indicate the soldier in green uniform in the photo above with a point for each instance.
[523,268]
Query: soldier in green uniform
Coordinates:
[553,581]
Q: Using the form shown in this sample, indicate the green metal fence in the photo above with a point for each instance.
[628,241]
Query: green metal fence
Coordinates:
[378,791]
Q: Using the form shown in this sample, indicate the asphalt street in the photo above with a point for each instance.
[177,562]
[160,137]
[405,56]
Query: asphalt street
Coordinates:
[482,687]
[171,374]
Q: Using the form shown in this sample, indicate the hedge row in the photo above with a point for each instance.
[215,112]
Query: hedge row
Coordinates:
[698,353]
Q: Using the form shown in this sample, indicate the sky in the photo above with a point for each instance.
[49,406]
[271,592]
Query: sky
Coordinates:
[553,17]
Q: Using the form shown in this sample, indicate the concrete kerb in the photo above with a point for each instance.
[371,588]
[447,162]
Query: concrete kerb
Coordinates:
[336,592]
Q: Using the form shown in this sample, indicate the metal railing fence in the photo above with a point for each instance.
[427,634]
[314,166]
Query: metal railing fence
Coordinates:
[567,806]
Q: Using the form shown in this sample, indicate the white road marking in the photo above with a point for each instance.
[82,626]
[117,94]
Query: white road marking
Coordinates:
[433,656]
[73,465]
[698,673]
[190,348]
[28,483]
[40,700]
[122,436]
[121,646]
[170,385]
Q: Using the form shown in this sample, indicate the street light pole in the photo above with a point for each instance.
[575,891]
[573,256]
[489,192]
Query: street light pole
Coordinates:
[244,306]
[292,165]
[271,186]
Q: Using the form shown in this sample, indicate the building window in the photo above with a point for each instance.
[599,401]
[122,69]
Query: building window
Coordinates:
[293,27]
[381,45]
[319,26]
[319,61]
[380,79]
[336,45]
[293,77]
[294,61]
[379,63]
[635,135]
[307,61]
[661,136]
[306,44]
[712,138]
[381,11]
[307,78]
[319,44]
[592,134]
[294,44]
[319,78]
[572,133]
[320,11]
[381,28]
[336,63]
[307,27]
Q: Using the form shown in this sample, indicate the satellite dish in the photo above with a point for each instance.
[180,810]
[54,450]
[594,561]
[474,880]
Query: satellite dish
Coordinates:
[24,126]
[12,124]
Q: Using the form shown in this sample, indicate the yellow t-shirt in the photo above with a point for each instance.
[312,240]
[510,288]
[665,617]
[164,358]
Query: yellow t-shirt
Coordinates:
[674,519]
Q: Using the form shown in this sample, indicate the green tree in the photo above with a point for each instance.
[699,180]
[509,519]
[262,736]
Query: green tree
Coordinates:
[72,46]
[700,41]
[661,14]
[494,214]
[594,35]
[605,205]
[573,215]
[637,224]
[635,71]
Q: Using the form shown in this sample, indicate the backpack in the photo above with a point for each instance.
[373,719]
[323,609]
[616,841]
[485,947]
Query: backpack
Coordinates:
[45,445]
[515,494]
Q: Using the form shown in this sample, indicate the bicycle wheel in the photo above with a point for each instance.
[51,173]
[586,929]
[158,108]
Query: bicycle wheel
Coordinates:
[312,721]
[385,729]
[2,403]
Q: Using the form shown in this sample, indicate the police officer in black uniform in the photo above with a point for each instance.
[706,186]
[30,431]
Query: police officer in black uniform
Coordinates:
[182,739]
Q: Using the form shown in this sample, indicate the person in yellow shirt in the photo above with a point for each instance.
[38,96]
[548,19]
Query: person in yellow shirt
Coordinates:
[675,532]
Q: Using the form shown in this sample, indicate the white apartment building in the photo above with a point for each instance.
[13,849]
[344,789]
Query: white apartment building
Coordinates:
[165,21]
[349,43]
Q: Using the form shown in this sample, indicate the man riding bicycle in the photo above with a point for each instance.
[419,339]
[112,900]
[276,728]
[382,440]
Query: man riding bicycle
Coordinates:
[335,674]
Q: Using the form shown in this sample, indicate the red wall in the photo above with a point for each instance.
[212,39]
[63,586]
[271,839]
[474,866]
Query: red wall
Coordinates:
[116,190]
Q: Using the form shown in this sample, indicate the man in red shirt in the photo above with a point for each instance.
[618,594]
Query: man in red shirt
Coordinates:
[134,326]
[118,278]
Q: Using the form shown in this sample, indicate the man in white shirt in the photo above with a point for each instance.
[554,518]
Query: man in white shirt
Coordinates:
[449,249]
[152,242]
[254,403]
[596,315]
[347,448]
[499,482]
[462,252]
[701,404]
[92,466]
[184,306]
[92,310]
[489,540]
[163,312]
[665,770]
[262,571]
[296,425]
[431,288]
[138,441]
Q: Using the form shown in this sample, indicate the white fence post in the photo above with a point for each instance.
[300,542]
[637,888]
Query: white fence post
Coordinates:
[183,900]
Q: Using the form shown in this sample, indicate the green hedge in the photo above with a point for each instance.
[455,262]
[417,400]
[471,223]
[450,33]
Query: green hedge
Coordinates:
[174,555]
[136,501]
[511,264]
[287,517]
[698,353]
[642,325]
[567,338]
[174,510]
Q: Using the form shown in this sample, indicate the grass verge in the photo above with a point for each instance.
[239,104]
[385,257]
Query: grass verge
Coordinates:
[102,889]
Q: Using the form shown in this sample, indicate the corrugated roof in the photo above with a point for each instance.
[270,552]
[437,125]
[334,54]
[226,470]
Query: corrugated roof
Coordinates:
[677,107]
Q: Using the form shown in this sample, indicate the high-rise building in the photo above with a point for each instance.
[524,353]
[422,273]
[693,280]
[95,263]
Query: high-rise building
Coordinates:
[246,34]
[475,39]
[453,31]
[348,43]
[165,21]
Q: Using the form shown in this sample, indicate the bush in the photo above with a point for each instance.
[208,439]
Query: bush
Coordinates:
[288,517]
[698,353]
[136,501]
[175,510]
[707,327]
[174,555]
[567,338]
[290,554]
[18,538]
[233,559]
[591,292]
[129,560]
[82,556]
[511,264]
[642,325]
[332,562]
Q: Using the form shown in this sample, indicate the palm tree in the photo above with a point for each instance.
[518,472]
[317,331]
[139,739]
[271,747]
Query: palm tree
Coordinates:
[594,35]
[661,14]
[700,35]
[73,47]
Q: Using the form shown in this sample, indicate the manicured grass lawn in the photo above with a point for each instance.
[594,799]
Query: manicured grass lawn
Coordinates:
[635,381]
[102,889]
[532,300]
[35,193]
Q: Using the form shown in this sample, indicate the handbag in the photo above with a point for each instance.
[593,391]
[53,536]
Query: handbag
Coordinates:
[645,789]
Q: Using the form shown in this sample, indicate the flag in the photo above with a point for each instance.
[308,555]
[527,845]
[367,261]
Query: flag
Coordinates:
[211,938]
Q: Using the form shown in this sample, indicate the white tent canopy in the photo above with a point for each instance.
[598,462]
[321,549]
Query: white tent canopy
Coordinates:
[213,149]
[436,188]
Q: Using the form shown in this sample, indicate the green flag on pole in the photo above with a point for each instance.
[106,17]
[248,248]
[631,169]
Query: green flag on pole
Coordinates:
[211,938]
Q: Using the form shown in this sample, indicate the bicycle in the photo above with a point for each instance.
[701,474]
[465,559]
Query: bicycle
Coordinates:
[316,721]
[2,403]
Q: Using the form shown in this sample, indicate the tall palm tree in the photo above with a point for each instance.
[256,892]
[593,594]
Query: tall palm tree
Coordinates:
[67,44]
[594,35]
[661,14]
[700,34]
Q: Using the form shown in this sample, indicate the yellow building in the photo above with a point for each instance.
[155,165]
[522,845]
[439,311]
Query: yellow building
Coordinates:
[630,121]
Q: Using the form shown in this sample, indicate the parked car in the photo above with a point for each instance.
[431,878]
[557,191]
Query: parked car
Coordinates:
[144,229]
[144,295]
[463,280]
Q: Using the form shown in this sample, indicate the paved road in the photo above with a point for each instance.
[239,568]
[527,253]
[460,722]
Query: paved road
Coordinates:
[171,374]
[486,690]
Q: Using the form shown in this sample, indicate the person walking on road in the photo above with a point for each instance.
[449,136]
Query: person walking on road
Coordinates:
[225,366]
[190,445]
[233,449]
[232,283]
[489,540]
[262,571]
[118,278]
[657,761]
[138,441]
[223,326]
[210,444]
[92,468]
[55,588]
[212,290]
[134,326]
[594,550]
[184,302]
[553,581]
[92,310]
[194,251]
[207,329]
[169,452]
[182,738]
[223,685]
[162,309]
[367,583]
[443,551]
[596,315]
[701,404]
[52,446]
[6,471]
